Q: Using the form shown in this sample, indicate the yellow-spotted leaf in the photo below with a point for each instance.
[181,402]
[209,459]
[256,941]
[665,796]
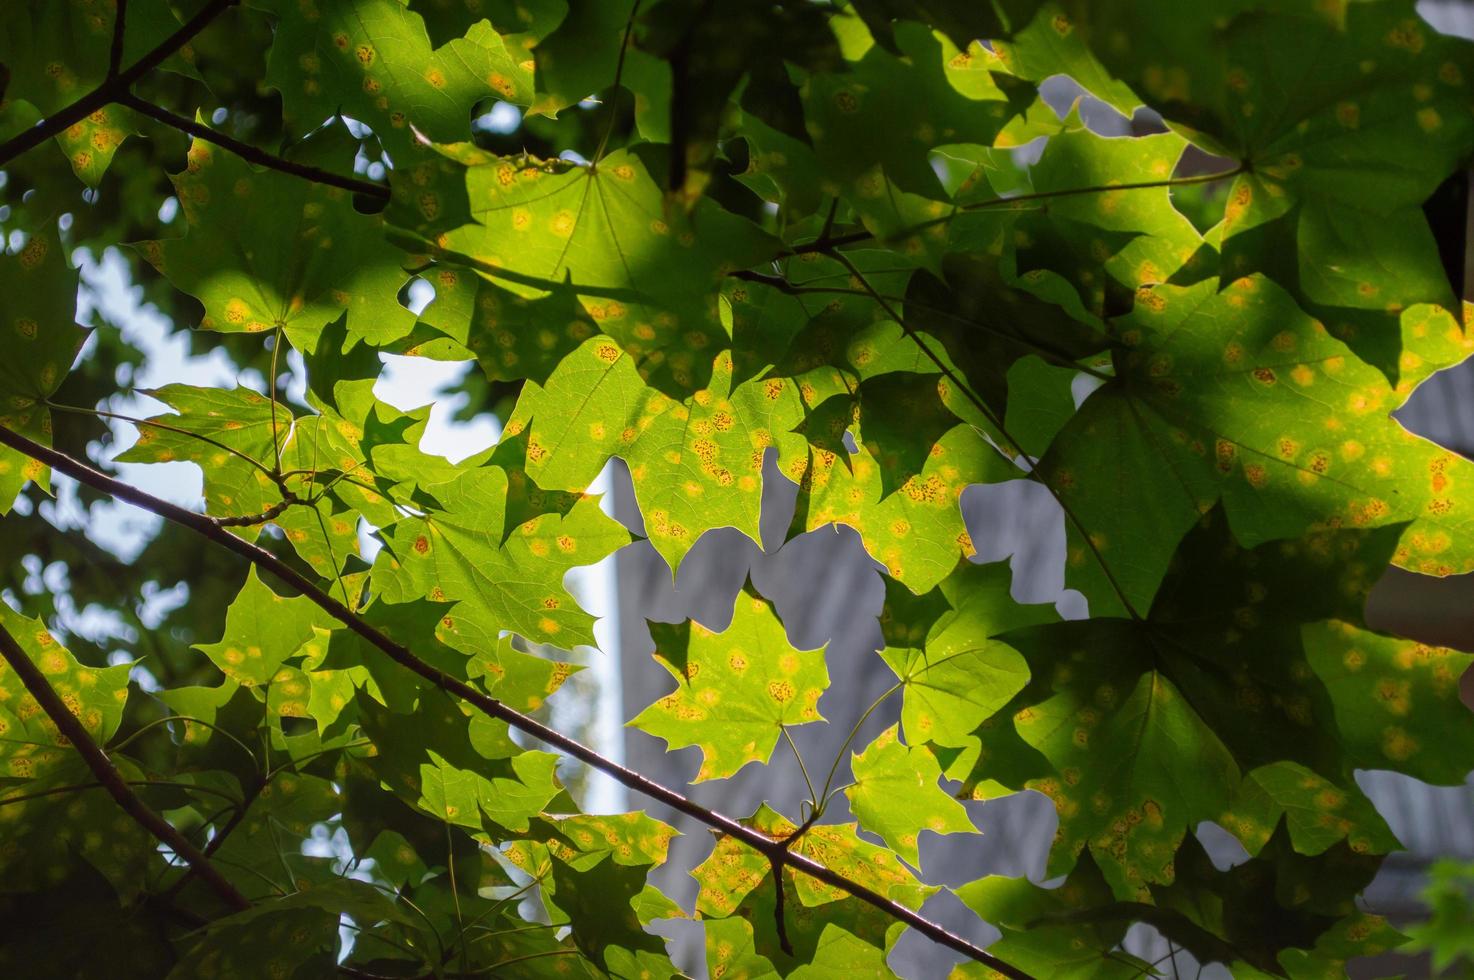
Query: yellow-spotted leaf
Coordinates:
[735,689]
[39,330]
[30,744]
[895,794]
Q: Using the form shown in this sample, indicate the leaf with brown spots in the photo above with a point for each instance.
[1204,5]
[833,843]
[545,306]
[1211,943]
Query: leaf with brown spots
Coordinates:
[266,249]
[1240,397]
[372,60]
[647,273]
[56,51]
[1347,118]
[696,463]
[228,433]
[30,745]
[262,631]
[451,554]
[39,333]
[1147,726]
[1396,701]
[736,884]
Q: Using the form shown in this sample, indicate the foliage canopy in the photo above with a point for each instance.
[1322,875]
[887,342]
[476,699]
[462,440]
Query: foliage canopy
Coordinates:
[843,245]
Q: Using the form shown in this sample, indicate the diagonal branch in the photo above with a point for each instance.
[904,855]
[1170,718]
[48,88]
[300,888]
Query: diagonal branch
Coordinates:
[251,153]
[774,851]
[107,774]
[109,91]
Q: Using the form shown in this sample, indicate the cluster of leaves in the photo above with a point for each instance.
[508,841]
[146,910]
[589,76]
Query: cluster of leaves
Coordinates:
[731,245]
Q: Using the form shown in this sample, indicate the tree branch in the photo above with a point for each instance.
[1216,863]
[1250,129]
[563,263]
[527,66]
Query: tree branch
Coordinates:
[117,89]
[115,52]
[116,86]
[107,774]
[775,851]
[251,153]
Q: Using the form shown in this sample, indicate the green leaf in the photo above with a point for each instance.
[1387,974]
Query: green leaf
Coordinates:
[268,250]
[230,433]
[511,336]
[736,689]
[953,675]
[430,760]
[1050,44]
[451,555]
[895,795]
[38,330]
[262,631]
[294,942]
[30,744]
[1042,932]
[373,61]
[598,901]
[878,121]
[1236,395]
[647,275]
[1396,701]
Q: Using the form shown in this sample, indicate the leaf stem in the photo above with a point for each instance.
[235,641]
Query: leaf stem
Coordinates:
[624,45]
[487,705]
[166,427]
[849,739]
[69,726]
[788,737]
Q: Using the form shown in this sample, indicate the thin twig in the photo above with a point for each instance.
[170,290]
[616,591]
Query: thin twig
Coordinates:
[80,787]
[251,153]
[251,520]
[107,774]
[218,841]
[109,91]
[1046,353]
[825,245]
[487,705]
